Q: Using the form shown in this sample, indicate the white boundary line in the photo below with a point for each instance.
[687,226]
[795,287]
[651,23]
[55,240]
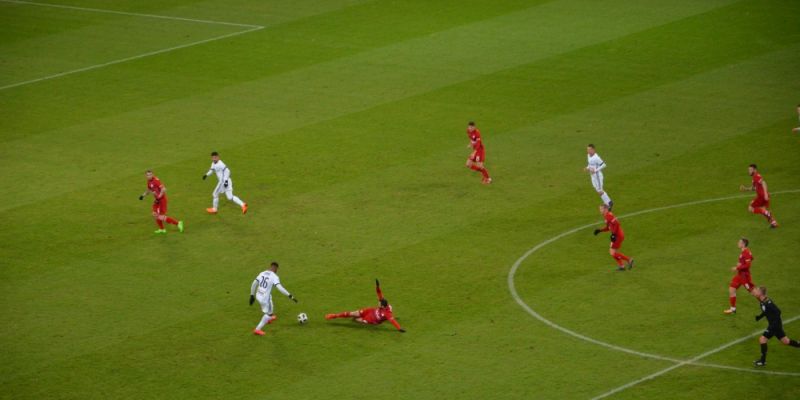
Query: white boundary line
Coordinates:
[688,362]
[100,10]
[678,362]
[252,28]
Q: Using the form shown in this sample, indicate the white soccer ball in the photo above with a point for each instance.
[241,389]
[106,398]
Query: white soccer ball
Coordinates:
[302,318]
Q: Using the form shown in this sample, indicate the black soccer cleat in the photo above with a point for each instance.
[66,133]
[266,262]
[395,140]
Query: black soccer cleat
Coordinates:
[621,269]
[610,205]
[759,363]
[630,264]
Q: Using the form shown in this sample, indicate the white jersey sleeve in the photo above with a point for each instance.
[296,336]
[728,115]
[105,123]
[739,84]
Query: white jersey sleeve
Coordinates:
[282,289]
[595,163]
[210,169]
[221,170]
[264,283]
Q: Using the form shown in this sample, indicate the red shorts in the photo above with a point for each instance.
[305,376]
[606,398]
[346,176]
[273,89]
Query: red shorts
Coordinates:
[367,315]
[618,243]
[160,207]
[759,202]
[478,155]
[738,280]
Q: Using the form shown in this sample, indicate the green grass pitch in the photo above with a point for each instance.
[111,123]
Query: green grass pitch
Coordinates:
[343,123]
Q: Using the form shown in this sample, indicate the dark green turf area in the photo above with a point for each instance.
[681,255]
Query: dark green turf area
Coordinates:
[343,123]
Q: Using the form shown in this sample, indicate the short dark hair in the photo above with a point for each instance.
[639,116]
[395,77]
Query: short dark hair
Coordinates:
[754,166]
[384,303]
[763,290]
[214,153]
[274,264]
[590,145]
[471,123]
[746,242]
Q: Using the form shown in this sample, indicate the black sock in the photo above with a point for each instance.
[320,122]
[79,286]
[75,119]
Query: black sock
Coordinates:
[763,352]
[794,343]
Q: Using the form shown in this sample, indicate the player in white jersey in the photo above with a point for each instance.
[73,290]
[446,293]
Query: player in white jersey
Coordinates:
[595,166]
[225,184]
[261,290]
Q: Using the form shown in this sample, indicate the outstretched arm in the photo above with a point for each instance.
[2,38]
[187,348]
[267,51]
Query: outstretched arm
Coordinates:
[396,325]
[378,289]
[253,287]
[285,292]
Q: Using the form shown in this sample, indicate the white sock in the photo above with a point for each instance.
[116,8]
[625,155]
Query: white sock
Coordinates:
[215,203]
[264,321]
[605,198]
[238,201]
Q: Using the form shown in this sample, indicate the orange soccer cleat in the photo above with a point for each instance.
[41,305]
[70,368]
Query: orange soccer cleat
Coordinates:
[211,210]
[258,332]
[244,208]
[271,319]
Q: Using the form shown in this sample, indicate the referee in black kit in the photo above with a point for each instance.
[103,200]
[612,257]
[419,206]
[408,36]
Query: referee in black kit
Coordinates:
[775,327]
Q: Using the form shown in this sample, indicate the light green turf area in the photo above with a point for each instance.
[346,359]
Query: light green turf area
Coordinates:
[343,123]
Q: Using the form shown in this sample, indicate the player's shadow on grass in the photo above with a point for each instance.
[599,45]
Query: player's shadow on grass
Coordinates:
[359,326]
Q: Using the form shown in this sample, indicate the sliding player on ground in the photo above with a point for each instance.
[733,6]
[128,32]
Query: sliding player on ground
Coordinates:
[617,237]
[595,166]
[374,315]
[742,277]
[759,205]
[159,192]
[224,184]
[774,328]
[261,290]
[478,157]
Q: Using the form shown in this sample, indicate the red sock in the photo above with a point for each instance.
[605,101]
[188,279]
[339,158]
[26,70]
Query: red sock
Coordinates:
[623,257]
[617,259]
[475,168]
[343,314]
[172,221]
[160,224]
[485,173]
[733,301]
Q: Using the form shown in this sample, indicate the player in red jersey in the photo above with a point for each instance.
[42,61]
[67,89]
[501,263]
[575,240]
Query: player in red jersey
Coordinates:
[742,277]
[371,316]
[617,237]
[158,190]
[759,205]
[478,156]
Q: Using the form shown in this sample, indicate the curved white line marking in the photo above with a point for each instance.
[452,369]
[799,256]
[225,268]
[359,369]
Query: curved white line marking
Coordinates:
[678,362]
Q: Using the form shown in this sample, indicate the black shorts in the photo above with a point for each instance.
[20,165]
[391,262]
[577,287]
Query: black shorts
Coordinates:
[776,331]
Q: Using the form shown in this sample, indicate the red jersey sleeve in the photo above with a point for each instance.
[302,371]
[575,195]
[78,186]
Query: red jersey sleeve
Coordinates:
[475,139]
[611,224]
[745,260]
[378,291]
[758,183]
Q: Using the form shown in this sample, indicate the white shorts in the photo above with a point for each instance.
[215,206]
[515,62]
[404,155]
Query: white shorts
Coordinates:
[220,189]
[597,181]
[266,303]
